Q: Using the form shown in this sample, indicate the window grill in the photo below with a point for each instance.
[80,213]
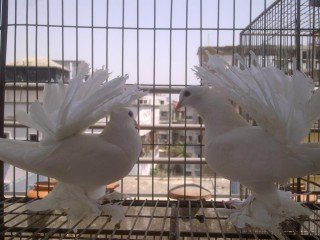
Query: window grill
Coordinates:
[157,43]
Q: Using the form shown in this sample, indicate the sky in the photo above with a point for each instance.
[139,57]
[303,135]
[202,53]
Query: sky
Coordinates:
[162,51]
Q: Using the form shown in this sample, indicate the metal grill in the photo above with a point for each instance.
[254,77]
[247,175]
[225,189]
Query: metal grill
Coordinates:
[156,42]
[146,220]
[285,30]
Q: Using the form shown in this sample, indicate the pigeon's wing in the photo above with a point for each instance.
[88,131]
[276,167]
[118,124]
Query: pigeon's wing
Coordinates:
[285,106]
[22,154]
[70,109]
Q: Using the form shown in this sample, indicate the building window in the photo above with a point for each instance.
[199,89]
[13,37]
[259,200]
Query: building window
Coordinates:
[164,114]
[6,187]
[33,137]
[163,136]
[182,138]
[6,135]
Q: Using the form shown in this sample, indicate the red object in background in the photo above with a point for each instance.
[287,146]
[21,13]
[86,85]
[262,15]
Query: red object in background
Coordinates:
[41,189]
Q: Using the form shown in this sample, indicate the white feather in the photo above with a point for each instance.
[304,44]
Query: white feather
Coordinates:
[257,156]
[68,110]
[280,104]
[83,164]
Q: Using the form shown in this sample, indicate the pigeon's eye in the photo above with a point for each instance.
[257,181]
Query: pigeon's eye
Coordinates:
[130,114]
[187,93]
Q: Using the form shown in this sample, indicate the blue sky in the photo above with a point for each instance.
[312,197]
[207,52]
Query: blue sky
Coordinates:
[150,45]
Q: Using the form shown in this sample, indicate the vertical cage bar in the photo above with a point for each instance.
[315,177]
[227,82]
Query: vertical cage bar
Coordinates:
[3,57]
[170,97]
[200,132]
[138,82]
[186,83]
[62,37]
[154,98]
[92,37]
[77,34]
[297,34]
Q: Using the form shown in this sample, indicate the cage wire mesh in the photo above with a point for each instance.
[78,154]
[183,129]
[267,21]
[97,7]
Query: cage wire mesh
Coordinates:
[157,43]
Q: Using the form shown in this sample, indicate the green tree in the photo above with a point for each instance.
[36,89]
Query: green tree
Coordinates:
[178,150]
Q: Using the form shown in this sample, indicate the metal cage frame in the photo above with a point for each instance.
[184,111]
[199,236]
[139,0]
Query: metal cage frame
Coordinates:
[276,35]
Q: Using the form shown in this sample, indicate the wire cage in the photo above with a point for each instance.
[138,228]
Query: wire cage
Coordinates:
[157,43]
[286,30]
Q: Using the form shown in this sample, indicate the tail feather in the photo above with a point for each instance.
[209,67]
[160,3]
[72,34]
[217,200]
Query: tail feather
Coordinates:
[284,106]
[68,99]
[82,73]
[42,119]
[67,111]
[53,95]
[25,119]
[94,83]
[97,99]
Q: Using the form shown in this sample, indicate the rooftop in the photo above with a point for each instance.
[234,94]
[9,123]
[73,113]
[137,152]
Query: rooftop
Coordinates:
[37,62]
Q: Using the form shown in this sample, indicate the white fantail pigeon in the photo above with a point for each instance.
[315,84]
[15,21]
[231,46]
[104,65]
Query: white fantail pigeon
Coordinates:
[81,163]
[257,156]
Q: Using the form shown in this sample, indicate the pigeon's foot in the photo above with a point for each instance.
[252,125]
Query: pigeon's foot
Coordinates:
[68,198]
[112,196]
[114,210]
[238,204]
[76,203]
[110,204]
[257,214]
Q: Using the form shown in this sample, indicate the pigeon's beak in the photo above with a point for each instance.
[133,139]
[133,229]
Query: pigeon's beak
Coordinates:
[178,106]
[136,125]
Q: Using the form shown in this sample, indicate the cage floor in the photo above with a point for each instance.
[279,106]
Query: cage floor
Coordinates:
[143,220]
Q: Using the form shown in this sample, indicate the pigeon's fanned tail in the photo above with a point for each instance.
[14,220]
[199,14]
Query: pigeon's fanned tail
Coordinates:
[69,110]
[40,116]
[98,98]
[53,95]
[83,112]
[25,119]
[284,106]
[71,95]
[100,76]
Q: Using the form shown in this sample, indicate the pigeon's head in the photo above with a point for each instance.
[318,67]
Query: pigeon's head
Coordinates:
[123,115]
[191,96]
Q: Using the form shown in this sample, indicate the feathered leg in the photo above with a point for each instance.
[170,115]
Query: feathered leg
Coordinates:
[266,208]
[267,194]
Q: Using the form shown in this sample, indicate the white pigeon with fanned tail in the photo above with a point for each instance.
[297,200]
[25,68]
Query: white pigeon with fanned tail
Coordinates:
[82,163]
[257,156]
